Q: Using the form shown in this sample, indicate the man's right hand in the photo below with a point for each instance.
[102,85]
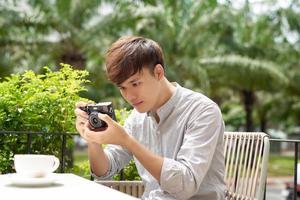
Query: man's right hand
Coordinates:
[81,117]
[98,161]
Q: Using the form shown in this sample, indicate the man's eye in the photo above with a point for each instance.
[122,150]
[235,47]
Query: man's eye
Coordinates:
[136,84]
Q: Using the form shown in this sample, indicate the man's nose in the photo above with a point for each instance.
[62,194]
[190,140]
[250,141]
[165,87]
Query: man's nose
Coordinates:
[130,96]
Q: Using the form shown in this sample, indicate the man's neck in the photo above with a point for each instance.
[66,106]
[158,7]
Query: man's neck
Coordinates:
[166,93]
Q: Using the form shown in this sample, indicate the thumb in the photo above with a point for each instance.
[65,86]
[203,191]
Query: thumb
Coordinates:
[105,118]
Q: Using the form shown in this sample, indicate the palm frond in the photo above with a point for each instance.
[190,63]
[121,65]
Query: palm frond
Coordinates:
[244,73]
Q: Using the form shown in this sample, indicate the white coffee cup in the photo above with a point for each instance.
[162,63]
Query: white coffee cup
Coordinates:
[34,165]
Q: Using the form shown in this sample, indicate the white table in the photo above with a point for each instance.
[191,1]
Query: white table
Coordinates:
[66,186]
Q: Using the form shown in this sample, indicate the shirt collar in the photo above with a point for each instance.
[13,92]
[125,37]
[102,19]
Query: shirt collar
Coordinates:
[165,110]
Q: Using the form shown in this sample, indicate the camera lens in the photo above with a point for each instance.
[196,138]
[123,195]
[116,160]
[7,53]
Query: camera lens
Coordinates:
[94,120]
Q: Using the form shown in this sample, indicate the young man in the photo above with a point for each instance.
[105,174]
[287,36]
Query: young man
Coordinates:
[175,135]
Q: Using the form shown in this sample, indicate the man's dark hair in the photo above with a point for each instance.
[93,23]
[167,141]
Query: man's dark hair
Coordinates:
[129,55]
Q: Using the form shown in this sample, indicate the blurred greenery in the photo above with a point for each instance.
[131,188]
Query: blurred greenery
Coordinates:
[239,54]
[242,54]
[81,165]
[82,168]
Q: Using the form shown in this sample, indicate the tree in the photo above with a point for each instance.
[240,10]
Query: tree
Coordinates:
[74,32]
[183,29]
[246,76]
[59,27]
[263,36]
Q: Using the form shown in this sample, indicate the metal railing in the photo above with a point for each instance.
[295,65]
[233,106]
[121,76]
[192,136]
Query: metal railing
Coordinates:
[29,142]
[296,154]
[64,137]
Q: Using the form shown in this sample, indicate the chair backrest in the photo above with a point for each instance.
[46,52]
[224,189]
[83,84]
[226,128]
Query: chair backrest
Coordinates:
[246,160]
[133,188]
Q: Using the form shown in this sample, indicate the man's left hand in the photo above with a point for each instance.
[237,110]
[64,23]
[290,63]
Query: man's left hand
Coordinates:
[112,134]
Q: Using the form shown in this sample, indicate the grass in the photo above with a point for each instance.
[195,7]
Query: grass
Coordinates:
[281,165]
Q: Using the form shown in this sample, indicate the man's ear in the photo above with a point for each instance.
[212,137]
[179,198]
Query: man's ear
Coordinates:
[159,71]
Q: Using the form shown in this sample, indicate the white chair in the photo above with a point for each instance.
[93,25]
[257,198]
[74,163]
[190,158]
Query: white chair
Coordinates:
[246,160]
[133,188]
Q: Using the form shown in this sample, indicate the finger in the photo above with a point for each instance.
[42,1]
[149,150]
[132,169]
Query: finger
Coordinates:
[81,119]
[91,135]
[80,123]
[80,129]
[105,118]
[80,113]
[80,104]
[86,129]
[86,125]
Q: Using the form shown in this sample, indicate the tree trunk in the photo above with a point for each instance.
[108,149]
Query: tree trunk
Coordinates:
[263,123]
[77,60]
[248,98]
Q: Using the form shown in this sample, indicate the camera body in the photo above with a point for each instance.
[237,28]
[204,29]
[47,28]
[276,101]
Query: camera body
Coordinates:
[93,109]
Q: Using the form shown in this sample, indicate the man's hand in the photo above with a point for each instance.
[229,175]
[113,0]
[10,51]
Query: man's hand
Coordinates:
[98,161]
[81,118]
[112,134]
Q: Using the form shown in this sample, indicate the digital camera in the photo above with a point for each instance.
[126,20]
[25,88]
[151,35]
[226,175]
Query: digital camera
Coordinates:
[93,109]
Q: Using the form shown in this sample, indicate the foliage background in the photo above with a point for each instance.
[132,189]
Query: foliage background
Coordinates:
[243,54]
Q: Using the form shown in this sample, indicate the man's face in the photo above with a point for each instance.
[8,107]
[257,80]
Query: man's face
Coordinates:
[141,90]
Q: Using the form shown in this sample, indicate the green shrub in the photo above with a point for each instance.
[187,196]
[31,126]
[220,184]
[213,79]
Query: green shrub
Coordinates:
[39,103]
[81,168]
[130,173]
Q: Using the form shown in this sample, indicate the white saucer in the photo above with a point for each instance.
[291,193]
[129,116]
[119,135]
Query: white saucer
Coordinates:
[19,180]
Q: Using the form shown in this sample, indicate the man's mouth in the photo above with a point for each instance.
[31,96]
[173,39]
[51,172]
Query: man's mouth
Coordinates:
[137,103]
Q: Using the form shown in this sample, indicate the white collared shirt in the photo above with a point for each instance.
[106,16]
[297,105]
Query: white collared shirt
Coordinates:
[189,137]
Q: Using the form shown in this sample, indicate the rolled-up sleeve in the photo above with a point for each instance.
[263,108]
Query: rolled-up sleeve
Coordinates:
[117,156]
[182,177]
